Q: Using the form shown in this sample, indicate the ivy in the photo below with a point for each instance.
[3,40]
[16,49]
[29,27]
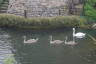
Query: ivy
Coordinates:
[90,9]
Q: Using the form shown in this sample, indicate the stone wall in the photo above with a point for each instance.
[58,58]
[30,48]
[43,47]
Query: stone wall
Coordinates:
[40,7]
[75,7]
[37,7]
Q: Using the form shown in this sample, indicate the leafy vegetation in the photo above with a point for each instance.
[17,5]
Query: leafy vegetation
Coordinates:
[42,22]
[90,9]
[9,60]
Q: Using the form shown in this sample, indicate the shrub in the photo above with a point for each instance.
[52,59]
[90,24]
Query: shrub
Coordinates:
[42,22]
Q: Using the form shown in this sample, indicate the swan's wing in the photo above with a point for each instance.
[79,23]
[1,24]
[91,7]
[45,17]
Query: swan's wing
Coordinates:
[80,34]
[58,41]
[30,39]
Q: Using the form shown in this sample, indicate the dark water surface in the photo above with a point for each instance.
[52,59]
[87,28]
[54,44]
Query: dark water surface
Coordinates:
[43,52]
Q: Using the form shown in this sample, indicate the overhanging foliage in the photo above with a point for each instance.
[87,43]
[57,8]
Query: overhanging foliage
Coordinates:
[90,9]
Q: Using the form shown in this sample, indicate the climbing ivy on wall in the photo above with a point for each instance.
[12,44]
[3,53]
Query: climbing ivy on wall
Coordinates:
[1,1]
[90,9]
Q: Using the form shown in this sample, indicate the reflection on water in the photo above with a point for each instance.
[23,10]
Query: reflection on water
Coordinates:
[5,46]
[43,52]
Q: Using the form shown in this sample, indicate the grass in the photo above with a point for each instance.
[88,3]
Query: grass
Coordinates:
[9,20]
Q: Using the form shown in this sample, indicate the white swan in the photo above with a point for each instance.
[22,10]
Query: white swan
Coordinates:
[30,40]
[55,41]
[79,34]
[71,43]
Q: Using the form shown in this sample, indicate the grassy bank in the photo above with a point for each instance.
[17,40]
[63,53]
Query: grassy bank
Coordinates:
[8,20]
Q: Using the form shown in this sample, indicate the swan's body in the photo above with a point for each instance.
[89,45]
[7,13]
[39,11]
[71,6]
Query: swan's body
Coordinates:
[79,34]
[71,43]
[55,41]
[30,40]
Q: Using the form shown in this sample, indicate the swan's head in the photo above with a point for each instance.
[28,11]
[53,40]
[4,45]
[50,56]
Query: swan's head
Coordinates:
[50,36]
[66,38]
[73,29]
[24,37]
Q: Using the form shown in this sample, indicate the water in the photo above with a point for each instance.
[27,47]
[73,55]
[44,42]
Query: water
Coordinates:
[43,52]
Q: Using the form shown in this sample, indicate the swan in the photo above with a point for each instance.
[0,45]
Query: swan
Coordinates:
[30,40]
[55,41]
[71,43]
[79,34]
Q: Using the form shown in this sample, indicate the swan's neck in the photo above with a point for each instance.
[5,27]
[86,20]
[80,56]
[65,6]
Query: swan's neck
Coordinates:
[36,39]
[73,31]
[50,38]
[66,40]
[73,34]
[24,39]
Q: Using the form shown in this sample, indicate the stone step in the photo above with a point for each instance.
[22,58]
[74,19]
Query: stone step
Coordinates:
[19,14]
[5,52]
[3,11]
[6,3]
[2,58]
[16,13]
[3,8]
[1,62]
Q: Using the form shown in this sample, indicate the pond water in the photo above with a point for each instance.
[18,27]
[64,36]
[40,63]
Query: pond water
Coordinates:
[42,52]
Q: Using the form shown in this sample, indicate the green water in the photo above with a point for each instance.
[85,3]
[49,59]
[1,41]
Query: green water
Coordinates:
[43,52]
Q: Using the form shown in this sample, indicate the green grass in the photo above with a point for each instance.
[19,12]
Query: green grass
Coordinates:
[9,20]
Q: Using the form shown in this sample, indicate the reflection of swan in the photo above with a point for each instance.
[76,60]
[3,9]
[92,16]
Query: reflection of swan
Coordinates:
[55,41]
[30,40]
[79,34]
[72,43]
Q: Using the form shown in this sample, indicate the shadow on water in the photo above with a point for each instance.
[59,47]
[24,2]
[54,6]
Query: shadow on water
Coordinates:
[43,52]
